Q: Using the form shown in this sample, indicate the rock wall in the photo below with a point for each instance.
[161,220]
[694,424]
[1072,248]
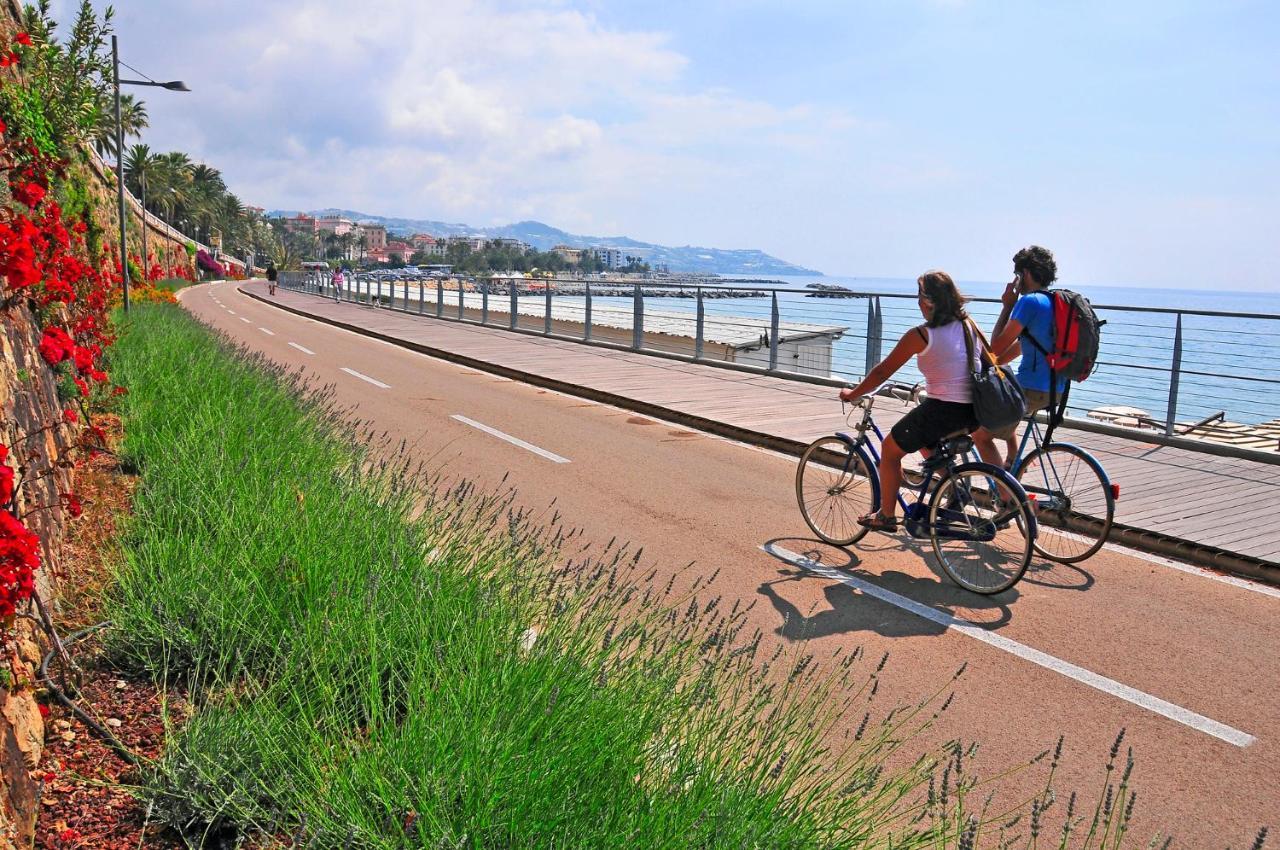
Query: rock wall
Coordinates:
[29,405]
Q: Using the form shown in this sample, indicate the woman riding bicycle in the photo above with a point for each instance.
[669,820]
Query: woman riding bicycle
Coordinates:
[942,357]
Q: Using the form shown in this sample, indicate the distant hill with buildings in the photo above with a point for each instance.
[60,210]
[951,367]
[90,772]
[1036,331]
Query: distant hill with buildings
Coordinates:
[686,258]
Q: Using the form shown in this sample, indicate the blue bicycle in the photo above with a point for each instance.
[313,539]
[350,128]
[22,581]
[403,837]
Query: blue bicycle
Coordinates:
[978,517]
[1075,500]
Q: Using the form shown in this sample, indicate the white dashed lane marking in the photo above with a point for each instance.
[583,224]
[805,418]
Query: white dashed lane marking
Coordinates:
[515,441]
[373,381]
[301,348]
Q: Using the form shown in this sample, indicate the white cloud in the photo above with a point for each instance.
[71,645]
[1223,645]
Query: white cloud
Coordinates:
[481,111]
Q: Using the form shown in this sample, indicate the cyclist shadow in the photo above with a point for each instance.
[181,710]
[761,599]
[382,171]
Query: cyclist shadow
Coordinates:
[849,609]
[1045,573]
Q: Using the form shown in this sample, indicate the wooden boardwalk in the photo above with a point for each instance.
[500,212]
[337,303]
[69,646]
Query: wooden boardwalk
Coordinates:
[1226,503]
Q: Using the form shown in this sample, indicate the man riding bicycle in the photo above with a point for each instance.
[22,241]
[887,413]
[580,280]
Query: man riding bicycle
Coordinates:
[1027,308]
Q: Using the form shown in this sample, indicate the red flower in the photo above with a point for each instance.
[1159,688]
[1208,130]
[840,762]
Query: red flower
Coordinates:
[82,384]
[55,345]
[71,416]
[118,391]
[30,194]
[6,484]
[23,38]
[68,834]
[44,712]
[83,358]
[19,557]
[73,505]
[4,128]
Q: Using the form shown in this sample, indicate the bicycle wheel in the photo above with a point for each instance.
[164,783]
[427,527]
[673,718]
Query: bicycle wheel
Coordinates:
[1074,502]
[835,484]
[984,545]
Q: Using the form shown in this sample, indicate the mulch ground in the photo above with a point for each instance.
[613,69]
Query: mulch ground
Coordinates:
[86,799]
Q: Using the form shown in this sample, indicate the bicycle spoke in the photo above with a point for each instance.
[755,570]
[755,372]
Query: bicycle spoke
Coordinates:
[976,547]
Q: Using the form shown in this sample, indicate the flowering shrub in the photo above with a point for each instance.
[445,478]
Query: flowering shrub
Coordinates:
[208,263]
[47,265]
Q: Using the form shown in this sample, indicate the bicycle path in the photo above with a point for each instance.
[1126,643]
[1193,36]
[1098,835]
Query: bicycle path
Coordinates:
[1175,493]
[1121,641]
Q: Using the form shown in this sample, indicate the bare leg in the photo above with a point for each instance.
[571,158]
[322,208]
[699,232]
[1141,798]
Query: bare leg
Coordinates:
[890,476]
[985,443]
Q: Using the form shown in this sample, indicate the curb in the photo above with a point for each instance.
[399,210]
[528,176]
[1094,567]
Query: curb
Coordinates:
[1136,538]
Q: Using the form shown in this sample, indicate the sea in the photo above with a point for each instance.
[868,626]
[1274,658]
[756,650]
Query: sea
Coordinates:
[1228,365]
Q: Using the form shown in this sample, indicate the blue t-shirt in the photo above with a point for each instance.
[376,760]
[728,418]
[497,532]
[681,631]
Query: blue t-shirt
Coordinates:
[1035,313]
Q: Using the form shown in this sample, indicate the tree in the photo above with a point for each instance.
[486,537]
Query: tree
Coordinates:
[133,120]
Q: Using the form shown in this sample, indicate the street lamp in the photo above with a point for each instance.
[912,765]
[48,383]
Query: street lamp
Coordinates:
[173,85]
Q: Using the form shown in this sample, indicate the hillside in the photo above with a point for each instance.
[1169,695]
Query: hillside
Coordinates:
[686,258]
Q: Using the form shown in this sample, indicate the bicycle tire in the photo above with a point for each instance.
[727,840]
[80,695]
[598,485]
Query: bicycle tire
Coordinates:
[983,547]
[829,489]
[1074,521]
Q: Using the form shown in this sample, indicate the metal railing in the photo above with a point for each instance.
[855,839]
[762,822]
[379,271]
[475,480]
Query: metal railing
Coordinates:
[1210,373]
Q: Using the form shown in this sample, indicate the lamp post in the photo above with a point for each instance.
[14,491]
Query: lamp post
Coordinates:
[173,85]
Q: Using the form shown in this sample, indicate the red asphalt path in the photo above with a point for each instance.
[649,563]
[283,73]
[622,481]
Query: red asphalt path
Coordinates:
[1187,664]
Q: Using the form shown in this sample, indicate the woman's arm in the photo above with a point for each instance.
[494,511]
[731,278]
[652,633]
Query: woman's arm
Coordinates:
[912,343]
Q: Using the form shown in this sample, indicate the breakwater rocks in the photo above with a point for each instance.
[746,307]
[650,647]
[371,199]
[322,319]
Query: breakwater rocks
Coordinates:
[829,290]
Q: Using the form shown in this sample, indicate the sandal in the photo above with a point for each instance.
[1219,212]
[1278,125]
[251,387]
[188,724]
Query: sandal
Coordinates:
[878,522]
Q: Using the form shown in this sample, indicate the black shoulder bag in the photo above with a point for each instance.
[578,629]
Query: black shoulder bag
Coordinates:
[998,401]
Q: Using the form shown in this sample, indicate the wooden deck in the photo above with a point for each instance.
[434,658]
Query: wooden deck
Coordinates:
[1226,503]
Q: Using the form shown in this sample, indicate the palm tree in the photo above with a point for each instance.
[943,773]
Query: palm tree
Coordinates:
[141,169]
[133,120]
[172,184]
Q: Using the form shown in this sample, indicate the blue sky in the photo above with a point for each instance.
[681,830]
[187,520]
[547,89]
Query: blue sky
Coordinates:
[1141,141]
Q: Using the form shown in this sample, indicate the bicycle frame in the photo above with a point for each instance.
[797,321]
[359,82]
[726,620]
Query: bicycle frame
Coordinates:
[916,523]
[1033,435]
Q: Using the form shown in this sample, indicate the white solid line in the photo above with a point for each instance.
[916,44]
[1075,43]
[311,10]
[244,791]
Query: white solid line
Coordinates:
[1087,677]
[301,348]
[267,332]
[373,381]
[515,441]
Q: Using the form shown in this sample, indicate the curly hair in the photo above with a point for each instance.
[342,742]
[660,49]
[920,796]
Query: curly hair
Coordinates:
[948,303]
[1039,261]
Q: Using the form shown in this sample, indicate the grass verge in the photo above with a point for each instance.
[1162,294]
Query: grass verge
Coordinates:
[382,662]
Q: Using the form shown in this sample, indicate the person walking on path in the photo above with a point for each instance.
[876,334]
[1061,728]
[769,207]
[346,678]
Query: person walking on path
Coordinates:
[1027,309]
[943,357]
[337,284]
[272,274]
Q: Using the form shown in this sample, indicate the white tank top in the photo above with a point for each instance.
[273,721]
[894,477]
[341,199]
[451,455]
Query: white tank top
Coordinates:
[946,376]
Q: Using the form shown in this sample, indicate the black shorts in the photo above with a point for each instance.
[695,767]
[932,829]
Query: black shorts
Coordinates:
[925,426]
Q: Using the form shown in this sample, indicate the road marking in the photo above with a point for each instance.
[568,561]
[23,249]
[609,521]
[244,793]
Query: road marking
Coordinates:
[1234,581]
[246,321]
[267,332]
[515,441]
[232,312]
[1086,677]
[373,381]
[303,349]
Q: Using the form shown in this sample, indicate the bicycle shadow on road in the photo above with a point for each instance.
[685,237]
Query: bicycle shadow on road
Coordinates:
[849,610]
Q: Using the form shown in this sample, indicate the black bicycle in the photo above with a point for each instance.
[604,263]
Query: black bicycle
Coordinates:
[980,520]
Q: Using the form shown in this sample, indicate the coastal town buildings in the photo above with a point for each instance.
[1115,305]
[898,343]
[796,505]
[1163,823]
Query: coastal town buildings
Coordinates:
[375,236]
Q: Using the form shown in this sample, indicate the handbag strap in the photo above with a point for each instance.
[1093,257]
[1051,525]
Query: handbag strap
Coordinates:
[986,346]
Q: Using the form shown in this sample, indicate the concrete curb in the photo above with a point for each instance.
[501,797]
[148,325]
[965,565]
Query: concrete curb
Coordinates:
[1141,539]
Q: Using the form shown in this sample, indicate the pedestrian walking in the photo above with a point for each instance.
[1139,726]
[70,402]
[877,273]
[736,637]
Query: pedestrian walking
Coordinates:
[272,274]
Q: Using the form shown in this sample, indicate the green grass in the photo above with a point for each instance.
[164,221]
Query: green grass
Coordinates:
[356,637]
